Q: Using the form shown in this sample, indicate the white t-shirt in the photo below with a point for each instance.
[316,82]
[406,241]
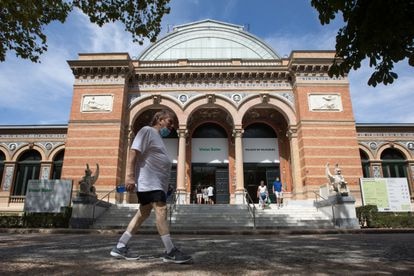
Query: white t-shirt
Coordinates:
[153,165]
[210,191]
[263,189]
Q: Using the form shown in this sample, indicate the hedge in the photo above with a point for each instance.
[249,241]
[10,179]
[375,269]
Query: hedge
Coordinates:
[36,220]
[369,217]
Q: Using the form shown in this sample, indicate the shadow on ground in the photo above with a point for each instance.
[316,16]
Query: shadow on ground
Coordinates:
[88,254]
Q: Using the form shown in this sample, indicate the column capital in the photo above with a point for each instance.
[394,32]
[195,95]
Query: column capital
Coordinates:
[182,132]
[292,132]
[238,132]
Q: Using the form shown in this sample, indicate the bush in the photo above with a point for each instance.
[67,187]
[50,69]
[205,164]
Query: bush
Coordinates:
[369,217]
[37,220]
[8,220]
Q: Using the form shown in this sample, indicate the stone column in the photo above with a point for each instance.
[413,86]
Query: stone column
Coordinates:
[181,191]
[376,168]
[295,165]
[411,177]
[9,168]
[45,170]
[238,143]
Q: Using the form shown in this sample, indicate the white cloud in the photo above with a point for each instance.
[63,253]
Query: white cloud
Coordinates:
[111,37]
[384,103]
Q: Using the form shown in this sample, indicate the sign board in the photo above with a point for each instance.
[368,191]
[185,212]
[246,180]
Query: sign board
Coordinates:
[260,150]
[47,196]
[388,194]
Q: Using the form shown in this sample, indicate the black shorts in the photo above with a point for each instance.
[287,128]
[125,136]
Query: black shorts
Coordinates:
[152,196]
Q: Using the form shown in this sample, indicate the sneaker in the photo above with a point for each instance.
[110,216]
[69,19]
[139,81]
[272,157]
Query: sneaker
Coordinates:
[177,257]
[123,253]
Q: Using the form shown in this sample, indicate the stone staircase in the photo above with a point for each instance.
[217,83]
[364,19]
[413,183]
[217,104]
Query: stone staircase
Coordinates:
[221,217]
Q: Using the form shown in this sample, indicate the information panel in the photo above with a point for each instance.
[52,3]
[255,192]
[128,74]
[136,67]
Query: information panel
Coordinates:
[388,194]
[47,196]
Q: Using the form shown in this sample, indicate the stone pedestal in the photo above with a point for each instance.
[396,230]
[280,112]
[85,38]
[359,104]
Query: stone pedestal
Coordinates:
[181,197]
[85,209]
[341,209]
[239,197]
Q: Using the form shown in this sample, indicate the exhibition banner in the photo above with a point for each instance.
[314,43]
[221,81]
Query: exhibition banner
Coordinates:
[260,150]
[388,194]
[209,150]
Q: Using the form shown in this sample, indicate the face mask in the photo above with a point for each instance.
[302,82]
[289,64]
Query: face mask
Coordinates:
[165,131]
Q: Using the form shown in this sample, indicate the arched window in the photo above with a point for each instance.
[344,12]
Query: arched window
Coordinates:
[2,158]
[393,163]
[28,167]
[259,130]
[210,130]
[57,165]
[366,172]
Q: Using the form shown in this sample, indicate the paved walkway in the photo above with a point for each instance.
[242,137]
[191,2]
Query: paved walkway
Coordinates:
[322,254]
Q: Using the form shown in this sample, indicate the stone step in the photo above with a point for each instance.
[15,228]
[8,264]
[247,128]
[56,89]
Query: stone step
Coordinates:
[221,216]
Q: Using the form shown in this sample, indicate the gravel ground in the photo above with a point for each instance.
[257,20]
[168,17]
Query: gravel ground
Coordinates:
[322,254]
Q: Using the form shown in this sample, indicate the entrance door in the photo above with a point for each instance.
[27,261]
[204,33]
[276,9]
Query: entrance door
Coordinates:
[216,176]
[222,186]
[254,173]
[271,175]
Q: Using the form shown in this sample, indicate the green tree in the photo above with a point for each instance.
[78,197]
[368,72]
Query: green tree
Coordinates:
[380,30]
[22,22]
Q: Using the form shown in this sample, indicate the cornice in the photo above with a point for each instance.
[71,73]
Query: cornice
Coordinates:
[210,76]
[100,68]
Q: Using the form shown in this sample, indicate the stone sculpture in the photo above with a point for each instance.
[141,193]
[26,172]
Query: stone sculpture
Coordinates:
[337,181]
[86,187]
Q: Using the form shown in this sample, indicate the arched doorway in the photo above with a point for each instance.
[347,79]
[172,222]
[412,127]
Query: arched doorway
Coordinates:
[394,163]
[28,167]
[366,172]
[210,161]
[2,159]
[57,165]
[261,158]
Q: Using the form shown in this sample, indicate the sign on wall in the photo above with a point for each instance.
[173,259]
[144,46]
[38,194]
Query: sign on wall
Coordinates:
[388,194]
[47,196]
[260,150]
[209,150]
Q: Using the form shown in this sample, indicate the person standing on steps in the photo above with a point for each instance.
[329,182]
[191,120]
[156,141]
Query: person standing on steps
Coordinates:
[278,191]
[205,195]
[148,172]
[210,191]
[199,193]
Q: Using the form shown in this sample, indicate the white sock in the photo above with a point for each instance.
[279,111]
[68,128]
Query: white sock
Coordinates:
[166,240]
[123,241]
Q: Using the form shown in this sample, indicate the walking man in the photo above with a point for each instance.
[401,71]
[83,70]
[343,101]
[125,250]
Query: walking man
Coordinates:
[148,171]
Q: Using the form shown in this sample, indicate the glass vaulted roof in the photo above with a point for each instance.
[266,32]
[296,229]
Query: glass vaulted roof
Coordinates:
[208,39]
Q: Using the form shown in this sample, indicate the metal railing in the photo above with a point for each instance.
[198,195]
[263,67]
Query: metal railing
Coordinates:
[16,199]
[251,209]
[317,195]
[101,199]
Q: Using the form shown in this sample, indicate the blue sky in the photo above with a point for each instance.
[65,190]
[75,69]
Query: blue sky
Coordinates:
[42,93]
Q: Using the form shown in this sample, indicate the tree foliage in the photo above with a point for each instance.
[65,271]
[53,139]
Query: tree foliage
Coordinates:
[22,22]
[380,30]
